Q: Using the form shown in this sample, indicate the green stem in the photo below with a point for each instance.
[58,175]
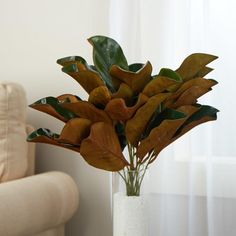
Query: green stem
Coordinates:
[131,174]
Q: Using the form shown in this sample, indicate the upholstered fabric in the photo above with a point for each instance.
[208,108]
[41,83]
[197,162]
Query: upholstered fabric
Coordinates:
[30,153]
[37,204]
[13,148]
[59,231]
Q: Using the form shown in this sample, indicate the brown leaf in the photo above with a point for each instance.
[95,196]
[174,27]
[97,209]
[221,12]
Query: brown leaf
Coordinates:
[205,84]
[100,96]
[102,149]
[136,125]
[67,97]
[88,79]
[124,92]
[88,111]
[160,136]
[190,96]
[159,148]
[135,80]
[118,110]
[116,82]
[46,108]
[158,85]
[193,64]
[192,125]
[186,129]
[51,106]
[204,71]
[52,141]
[75,131]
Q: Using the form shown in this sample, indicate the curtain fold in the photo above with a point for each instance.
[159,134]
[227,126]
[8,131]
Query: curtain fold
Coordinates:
[193,181]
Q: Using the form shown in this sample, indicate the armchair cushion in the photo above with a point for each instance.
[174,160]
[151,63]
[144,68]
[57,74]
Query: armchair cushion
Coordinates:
[13,147]
[37,205]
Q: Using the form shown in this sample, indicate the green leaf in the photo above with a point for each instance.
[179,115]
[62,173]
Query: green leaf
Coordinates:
[70,60]
[86,110]
[70,68]
[159,116]
[204,111]
[107,52]
[42,132]
[93,67]
[75,64]
[162,135]
[120,131]
[43,135]
[170,74]
[136,67]
[136,125]
[51,106]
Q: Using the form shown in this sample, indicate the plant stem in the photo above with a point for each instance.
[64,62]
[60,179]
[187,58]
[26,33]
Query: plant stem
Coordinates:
[133,174]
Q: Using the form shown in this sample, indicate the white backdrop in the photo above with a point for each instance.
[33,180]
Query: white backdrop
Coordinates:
[193,182]
[33,35]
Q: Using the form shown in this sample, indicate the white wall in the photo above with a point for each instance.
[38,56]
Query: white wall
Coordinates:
[33,34]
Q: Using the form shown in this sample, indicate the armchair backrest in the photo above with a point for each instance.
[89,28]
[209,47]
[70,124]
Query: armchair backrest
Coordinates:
[14,149]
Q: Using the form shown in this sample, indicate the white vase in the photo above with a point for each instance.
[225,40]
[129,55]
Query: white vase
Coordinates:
[130,215]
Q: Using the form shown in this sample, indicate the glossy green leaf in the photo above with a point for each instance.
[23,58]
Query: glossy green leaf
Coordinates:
[42,132]
[162,134]
[42,135]
[136,67]
[158,117]
[203,111]
[170,74]
[88,111]
[71,60]
[196,115]
[107,52]
[52,106]
[137,124]
[120,131]
[68,98]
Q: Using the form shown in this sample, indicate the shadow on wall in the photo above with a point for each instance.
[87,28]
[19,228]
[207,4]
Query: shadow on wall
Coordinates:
[93,186]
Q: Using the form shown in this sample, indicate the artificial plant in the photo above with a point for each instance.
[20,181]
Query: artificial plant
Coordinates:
[127,107]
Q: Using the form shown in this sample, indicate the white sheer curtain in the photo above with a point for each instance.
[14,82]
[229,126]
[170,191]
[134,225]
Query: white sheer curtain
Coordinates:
[193,182]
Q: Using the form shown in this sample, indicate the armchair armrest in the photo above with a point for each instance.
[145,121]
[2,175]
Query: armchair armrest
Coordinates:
[37,203]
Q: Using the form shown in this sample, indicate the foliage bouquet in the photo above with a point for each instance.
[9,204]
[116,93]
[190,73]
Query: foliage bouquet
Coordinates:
[127,107]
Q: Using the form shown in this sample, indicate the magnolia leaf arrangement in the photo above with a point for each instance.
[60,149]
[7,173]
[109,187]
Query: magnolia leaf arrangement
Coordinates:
[127,107]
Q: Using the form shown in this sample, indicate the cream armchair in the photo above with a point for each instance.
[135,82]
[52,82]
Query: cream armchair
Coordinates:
[30,205]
